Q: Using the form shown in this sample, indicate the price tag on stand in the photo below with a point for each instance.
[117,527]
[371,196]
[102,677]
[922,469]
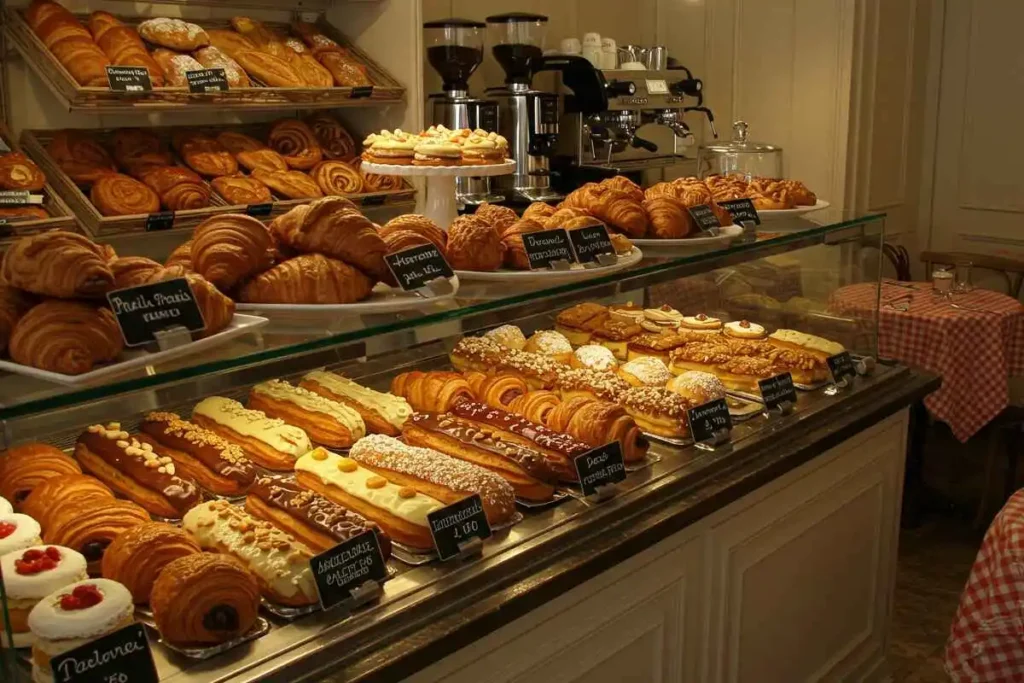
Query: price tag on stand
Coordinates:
[591,244]
[160,221]
[656,87]
[351,572]
[841,366]
[600,469]
[710,423]
[129,78]
[549,249]
[741,210]
[460,528]
[148,312]
[121,657]
[207,80]
[421,269]
[778,393]
[19,198]
[259,210]
[704,216]
[362,91]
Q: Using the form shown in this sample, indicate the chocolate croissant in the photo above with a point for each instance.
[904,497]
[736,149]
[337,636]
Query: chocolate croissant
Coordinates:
[57,263]
[308,279]
[51,494]
[66,337]
[137,556]
[90,528]
[229,248]
[25,467]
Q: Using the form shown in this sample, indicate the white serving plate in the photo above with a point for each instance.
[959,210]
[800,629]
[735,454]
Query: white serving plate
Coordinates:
[725,235]
[135,359]
[774,214]
[439,171]
[520,277]
[383,299]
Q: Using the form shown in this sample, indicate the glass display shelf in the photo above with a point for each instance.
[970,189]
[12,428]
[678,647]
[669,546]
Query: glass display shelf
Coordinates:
[273,348]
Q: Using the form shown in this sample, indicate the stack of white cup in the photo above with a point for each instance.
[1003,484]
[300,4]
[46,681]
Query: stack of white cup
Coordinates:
[601,52]
[592,48]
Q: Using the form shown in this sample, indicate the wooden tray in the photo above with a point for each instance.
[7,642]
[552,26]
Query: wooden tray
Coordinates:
[98,225]
[386,89]
[60,215]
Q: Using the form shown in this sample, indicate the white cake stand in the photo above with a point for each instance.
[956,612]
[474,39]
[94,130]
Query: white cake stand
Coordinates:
[440,205]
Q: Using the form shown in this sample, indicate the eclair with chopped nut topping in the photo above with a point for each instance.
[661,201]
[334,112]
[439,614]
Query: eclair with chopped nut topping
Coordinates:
[134,470]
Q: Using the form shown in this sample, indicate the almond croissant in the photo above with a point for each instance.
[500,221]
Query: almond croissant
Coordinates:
[66,337]
[57,263]
[308,279]
[229,248]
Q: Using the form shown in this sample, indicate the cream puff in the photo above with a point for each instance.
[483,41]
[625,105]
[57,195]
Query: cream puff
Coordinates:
[551,344]
[594,357]
[645,371]
[702,323]
[699,387]
[509,336]
[74,616]
[663,319]
[744,329]
[18,532]
[32,574]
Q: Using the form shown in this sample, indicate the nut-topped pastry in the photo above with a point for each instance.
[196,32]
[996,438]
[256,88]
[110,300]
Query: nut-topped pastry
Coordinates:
[743,373]
[326,422]
[616,335]
[699,387]
[212,462]
[657,345]
[314,520]
[268,442]
[698,356]
[701,323]
[806,368]
[594,357]
[484,355]
[509,336]
[606,386]
[659,411]
[645,372]
[744,329]
[578,322]
[133,469]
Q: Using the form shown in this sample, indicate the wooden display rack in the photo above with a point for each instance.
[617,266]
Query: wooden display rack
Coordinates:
[97,225]
[386,90]
[60,215]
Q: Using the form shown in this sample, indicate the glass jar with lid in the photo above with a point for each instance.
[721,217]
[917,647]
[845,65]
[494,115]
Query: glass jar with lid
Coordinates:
[740,156]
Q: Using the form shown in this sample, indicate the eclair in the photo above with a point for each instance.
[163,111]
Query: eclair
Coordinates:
[315,521]
[267,441]
[135,470]
[382,413]
[204,457]
[327,422]
[439,476]
[280,563]
[399,510]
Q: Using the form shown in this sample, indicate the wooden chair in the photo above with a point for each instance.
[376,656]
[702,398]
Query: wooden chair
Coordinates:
[899,259]
[1011,269]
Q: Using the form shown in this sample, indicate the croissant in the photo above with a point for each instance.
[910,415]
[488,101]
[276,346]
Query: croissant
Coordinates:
[89,527]
[334,227]
[497,391]
[66,337]
[539,211]
[560,217]
[218,309]
[229,248]
[25,467]
[205,598]
[512,239]
[624,184]
[620,211]
[419,224]
[57,263]
[14,303]
[599,422]
[137,556]
[64,489]
[180,257]
[668,218]
[499,217]
[535,406]
[432,392]
[132,271]
[474,245]
[308,279]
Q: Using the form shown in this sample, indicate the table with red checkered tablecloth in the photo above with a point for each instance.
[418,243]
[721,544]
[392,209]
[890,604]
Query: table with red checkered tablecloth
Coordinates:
[986,642]
[975,351]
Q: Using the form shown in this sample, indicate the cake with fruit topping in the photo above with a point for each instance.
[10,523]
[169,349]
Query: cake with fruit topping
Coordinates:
[17,532]
[74,616]
[32,574]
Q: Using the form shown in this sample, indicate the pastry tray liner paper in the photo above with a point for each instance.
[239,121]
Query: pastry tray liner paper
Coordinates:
[258,630]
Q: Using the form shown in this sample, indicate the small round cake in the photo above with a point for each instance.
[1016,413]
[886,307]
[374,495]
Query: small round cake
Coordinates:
[32,574]
[701,387]
[73,616]
[663,319]
[594,357]
[509,336]
[744,329]
[18,532]
[551,344]
[628,313]
[701,323]
[645,371]
[5,507]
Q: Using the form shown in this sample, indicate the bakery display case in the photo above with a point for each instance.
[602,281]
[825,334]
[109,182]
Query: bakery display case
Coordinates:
[550,432]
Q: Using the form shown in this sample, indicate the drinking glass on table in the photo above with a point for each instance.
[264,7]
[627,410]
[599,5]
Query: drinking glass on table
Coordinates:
[962,282]
[942,280]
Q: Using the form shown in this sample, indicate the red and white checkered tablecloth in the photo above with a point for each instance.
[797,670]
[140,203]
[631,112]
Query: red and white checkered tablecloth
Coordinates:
[975,352]
[986,641]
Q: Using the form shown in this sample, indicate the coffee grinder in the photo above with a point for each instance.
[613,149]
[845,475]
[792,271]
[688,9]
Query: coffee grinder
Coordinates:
[528,118]
[455,48]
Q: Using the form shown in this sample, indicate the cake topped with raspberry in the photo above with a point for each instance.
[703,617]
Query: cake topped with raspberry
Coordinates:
[17,532]
[35,572]
[83,610]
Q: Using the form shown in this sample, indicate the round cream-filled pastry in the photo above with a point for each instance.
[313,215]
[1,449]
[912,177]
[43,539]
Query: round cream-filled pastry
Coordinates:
[594,357]
[73,616]
[628,313]
[701,323]
[645,371]
[663,319]
[5,507]
[18,532]
[701,387]
[551,344]
[32,574]
[509,336]
[744,329]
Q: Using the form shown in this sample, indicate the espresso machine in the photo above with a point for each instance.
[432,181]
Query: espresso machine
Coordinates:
[641,131]
[455,48]
[529,118]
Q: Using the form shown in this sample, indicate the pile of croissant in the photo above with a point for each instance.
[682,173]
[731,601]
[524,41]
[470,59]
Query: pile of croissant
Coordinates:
[325,252]
[53,314]
[492,237]
[250,52]
[138,171]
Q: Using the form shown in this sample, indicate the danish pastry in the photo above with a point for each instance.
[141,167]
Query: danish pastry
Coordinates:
[296,142]
[242,190]
[138,555]
[66,337]
[229,248]
[334,139]
[137,150]
[289,184]
[121,195]
[18,172]
[179,188]
[337,178]
[205,155]
[80,156]
[24,467]
[308,279]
